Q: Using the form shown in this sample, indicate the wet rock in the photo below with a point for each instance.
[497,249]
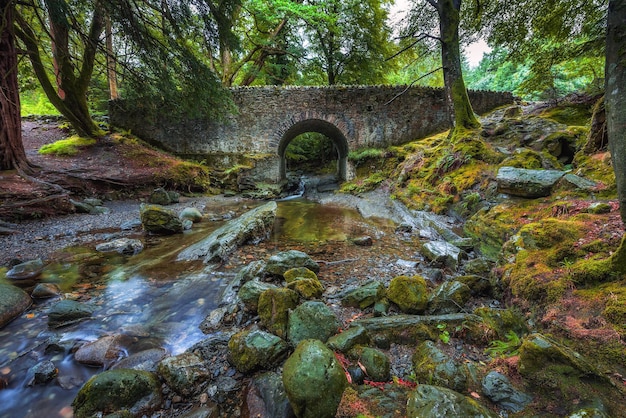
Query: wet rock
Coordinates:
[279,263]
[41,373]
[448,297]
[158,220]
[192,214]
[27,270]
[183,373]
[225,389]
[376,363]
[146,360]
[251,291]
[68,312]
[409,293]
[527,183]
[124,246]
[412,329]
[500,391]
[346,340]
[314,380]
[307,288]
[46,290]
[598,208]
[434,367]
[254,349]
[478,285]
[101,352]
[253,270]
[365,241]
[160,196]
[13,301]
[428,401]
[266,397]
[114,391]
[252,227]
[274,306]
[443,253]
[364,296]
[312,320]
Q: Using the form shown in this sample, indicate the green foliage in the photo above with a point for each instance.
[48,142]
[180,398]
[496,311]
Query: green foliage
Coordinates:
[444,334]
[363,154]
[311,151]
[510,347]
[67,147]
[34,102]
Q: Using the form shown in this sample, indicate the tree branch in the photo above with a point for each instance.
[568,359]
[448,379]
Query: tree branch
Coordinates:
[411,85]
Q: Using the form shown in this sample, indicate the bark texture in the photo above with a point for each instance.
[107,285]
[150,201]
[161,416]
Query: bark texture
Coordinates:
[615,96]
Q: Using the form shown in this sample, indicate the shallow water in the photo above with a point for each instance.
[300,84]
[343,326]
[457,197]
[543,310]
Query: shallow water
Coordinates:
[148,299]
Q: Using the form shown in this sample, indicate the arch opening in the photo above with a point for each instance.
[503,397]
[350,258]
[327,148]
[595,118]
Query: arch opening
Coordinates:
[315,129]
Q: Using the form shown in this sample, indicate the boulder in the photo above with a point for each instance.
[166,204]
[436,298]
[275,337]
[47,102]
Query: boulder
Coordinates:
[158,220]
[279,263]
[126,246]
[299,273]
[434,367]
[183,373]
[527,183]
[146,360]
[448,297]
[192,214]
[41,373]
[274,307]
[312,320]
[255,349]
[27,270]
[266,397]
[13,301]
[101,352]
[307,288]
[252,227]
[46,290]
[442,252]
[500,391]
[314,380]
[346,340]
[428,401]
[250,292]
[409,293]
[573,182]
[67,312]
[364,296]
[364,241]
[160,196]
[376,363]
[118,391]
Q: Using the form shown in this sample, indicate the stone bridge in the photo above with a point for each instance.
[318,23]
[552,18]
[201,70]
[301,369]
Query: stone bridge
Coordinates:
[268,118]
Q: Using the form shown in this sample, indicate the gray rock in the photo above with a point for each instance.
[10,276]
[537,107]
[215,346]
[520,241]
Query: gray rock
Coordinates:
[448,297]
[187,224]
[101,352]
[27,270]
[160,197]
[46,290]
[364,296]
[41,373]
[365,241]
[252,227]
[193,214]
[13,301]
[527,183]
[100,210]
[279,263]
[68,312]
[434,367]
[312,320]
[146,360]
[266,397]
[93,201]
[572,181]
[125,246]
[443,253]
[112,391]
[589,413]
[251,291]
[129,225]
[500,391]
[183,373]
[314,380]
[346,340]
[158,220]
[254,349]
[428,401]
[82,207]
[376,363]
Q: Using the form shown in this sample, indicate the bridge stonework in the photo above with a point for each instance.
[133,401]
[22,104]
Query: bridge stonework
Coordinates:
[268,118]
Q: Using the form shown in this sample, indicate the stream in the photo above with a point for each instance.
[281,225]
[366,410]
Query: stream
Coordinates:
[152,302]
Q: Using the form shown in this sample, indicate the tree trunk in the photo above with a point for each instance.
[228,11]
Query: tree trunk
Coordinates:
[456,92]
[12,154]
[111,70]
[615,95]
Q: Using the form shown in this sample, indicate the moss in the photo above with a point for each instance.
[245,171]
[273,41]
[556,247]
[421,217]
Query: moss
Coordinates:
[274,306]
[578,115]
[409,293]
[67,147]
[591,270]
[598,168]
[525,158]
[548,233]
[500,322]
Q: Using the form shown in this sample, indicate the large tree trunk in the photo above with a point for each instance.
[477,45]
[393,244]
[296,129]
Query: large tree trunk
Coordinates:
[615,95]
[456,92]
[12,155]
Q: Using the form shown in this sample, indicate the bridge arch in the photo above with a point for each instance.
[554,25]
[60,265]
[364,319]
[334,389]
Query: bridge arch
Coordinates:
[320,126]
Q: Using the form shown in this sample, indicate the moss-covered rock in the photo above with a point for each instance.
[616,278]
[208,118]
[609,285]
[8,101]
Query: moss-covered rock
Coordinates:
[254,349]
[118,391]
[347,339]
[409,293]
[376,363]
[299,273]
[448,297]
[279,263]
[13,301]
[158,220]
[183,373]
[365,295]
[307,288]
[274,307]
[312,320]
[434,367]
[428,401]
[314,380]
[500,322]
[250,292]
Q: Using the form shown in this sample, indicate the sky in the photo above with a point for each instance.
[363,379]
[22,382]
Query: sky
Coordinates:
[473,52]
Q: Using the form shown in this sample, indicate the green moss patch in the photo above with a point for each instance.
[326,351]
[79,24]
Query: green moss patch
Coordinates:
[67,147]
